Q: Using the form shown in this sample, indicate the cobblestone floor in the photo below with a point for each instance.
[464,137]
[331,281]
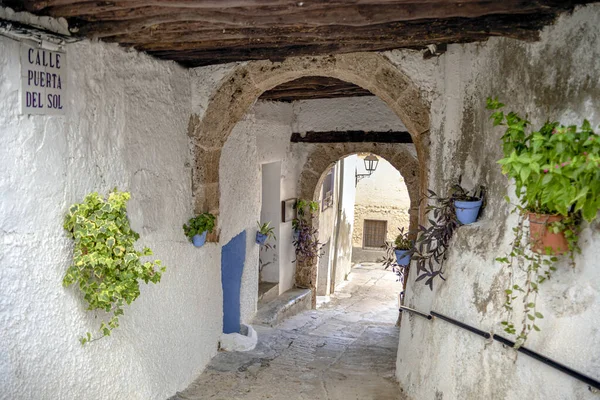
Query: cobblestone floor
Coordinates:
[346,349]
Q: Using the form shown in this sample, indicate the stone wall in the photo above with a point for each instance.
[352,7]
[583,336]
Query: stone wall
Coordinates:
[557,78]
[383,196]
[125,127]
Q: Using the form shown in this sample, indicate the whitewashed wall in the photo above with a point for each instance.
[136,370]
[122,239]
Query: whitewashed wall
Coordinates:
[263,136]
[556,78]
[345,114]
[125,127]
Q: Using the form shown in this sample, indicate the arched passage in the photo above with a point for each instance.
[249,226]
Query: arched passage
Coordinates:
[322,157]
[247,82]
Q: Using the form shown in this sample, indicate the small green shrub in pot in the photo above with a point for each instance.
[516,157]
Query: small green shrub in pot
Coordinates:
[197,228]
[402,241]
[402,246]
[265,232]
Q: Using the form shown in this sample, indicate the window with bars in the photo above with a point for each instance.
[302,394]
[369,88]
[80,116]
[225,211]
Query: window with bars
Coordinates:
[374,233]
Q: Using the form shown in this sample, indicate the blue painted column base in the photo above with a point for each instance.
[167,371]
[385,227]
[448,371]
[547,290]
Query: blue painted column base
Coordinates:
[233,255]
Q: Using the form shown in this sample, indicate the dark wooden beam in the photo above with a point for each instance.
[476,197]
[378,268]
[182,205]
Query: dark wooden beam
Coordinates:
[203,32]
[351,137]
[314,87]
[337,40]
[281,12]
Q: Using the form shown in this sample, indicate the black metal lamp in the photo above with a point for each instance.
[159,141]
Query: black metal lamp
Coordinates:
[371,162]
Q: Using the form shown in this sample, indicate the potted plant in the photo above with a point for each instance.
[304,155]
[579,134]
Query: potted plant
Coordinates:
[304,209]
[402,246]
[556,171]
[306,243]
[265,231]
[197,228]
[467,206]
[429,250]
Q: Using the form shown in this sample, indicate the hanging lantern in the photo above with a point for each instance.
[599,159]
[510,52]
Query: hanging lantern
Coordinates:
[371,162]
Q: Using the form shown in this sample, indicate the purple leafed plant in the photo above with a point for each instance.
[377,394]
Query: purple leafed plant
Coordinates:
[306,243]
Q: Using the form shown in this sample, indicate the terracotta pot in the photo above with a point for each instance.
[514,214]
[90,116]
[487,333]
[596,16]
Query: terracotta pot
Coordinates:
[542,238]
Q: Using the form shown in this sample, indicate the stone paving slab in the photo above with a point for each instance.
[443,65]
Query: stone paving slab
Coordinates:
[346,350]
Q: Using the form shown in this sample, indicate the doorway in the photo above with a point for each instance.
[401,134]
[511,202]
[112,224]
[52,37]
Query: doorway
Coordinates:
[270,212]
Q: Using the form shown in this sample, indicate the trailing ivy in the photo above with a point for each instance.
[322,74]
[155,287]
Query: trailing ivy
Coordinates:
[429,251]
[556,171]
[106,266]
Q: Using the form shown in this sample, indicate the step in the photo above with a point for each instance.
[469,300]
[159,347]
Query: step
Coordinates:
[267,292]
[290,303]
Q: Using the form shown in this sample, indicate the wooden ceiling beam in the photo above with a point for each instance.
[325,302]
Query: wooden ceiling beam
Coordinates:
[346,16]
[72,8]
[351,137]
[203,32]
[523,26]
[314,87]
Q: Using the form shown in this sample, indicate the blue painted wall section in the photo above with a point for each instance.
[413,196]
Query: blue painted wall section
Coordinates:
[233,255]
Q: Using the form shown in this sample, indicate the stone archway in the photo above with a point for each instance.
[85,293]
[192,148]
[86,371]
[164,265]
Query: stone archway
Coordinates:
[323,156]
[247,82]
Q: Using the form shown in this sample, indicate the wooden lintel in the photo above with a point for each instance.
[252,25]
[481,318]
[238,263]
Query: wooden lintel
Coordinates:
[351,137]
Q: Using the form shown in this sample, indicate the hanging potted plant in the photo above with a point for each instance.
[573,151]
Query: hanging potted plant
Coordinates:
[556,171]
[265,231]
[402,246]
[467,206]
[304,209]
[197,228]
[307,246]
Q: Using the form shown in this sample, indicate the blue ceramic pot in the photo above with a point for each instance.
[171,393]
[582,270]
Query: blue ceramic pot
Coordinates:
[198,240]
[402,258]
[261,238]
[467,211]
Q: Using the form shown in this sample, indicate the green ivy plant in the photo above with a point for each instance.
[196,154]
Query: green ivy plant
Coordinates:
[106,266]
[556,170]
[196,226]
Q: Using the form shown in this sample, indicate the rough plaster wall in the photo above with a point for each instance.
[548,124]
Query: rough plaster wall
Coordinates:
[382,196]
[557,78]
[240,183]
[346,220]
[125,127]
[347,113]
[204,83]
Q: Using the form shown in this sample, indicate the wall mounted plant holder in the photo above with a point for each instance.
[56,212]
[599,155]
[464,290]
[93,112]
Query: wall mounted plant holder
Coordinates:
[467,211]
[198,228]
[261,238]
[199,240]
[542,238]
[402,258]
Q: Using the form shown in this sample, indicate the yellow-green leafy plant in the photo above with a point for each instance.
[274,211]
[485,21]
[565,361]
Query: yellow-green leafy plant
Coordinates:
[106,266]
